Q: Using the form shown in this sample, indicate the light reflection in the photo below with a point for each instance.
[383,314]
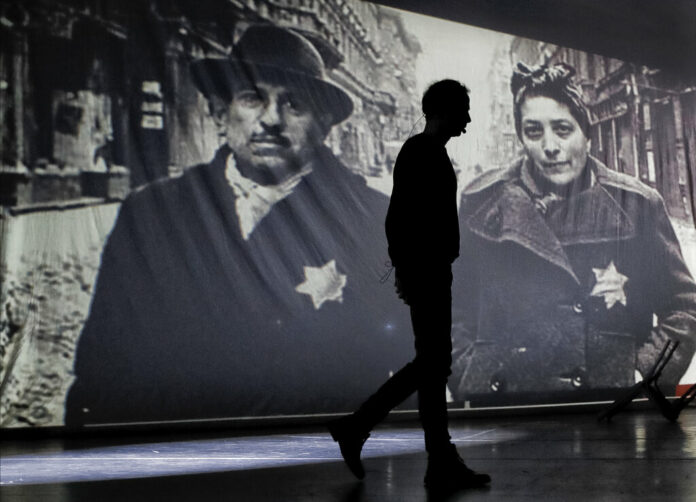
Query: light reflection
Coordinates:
[195,457]
[577,443]
[640,439]
[690,442]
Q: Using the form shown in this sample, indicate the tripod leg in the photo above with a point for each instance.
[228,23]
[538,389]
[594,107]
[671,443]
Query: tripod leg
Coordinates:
[666,408]
[621,402]
[685,399]
[665,360]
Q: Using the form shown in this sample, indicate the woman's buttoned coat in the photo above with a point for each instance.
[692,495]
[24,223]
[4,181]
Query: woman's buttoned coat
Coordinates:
[578,298]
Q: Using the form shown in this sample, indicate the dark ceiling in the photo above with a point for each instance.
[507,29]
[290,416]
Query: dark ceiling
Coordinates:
[658,33]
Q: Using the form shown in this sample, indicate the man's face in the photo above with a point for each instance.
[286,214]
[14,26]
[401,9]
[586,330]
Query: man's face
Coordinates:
[553,139]
[272,131]
[457,120]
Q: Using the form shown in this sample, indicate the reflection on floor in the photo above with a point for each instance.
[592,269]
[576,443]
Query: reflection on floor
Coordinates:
[638,456]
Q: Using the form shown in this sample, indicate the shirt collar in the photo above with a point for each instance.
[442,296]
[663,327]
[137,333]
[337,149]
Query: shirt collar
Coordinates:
[244,187]
[254,201]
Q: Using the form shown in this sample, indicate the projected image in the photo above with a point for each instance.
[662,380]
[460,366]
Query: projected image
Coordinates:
[250,284]
[194,200]
[558,294]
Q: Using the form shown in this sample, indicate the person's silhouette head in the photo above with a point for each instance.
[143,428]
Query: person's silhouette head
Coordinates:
[445,105]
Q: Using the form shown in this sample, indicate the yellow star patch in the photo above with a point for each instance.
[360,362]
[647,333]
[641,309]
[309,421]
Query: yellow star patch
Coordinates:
[610,285]
[323,284]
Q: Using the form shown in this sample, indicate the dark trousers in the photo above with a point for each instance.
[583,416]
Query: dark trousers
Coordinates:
[429,295]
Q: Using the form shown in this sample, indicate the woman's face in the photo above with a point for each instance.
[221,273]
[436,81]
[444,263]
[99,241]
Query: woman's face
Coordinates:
[553,139]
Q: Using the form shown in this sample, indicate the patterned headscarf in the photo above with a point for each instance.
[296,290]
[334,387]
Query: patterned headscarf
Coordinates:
[555,82]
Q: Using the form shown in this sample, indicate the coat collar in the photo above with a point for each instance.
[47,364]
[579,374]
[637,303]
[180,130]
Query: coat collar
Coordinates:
[592,216]
[214,179]
[330,189]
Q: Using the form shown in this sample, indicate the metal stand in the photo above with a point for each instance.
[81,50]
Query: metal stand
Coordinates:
[649,387]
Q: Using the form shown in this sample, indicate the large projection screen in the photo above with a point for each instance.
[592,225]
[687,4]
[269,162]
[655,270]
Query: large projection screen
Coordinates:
[193,201]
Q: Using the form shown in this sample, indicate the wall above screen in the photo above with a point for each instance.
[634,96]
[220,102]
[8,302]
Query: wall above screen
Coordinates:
[641,31]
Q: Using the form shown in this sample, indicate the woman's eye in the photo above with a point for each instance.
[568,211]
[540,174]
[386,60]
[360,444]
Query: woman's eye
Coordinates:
[563,130]
[533,132]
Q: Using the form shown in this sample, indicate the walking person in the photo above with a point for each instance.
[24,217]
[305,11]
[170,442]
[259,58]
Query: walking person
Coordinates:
[423,237]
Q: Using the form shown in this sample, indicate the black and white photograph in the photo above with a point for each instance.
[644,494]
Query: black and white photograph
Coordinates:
[194,197]
[347,250]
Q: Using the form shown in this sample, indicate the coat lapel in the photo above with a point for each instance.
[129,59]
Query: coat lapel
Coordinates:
[510,215]
[593,216]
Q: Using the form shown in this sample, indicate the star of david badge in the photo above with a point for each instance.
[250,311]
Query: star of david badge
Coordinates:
[610,285]
[323,284]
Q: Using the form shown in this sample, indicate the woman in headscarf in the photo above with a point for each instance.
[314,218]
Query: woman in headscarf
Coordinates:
[564,265]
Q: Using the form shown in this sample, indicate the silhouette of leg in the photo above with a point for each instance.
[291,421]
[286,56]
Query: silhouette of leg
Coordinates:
[392,393]
[431,315]
[352,431]
[350,440]
[432,324]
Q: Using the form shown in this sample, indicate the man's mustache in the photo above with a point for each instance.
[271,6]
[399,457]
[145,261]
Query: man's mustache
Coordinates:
[270,138]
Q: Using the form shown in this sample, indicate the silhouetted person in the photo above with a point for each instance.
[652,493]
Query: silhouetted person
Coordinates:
[423,234]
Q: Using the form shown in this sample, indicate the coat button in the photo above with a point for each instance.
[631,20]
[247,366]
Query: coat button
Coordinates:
[497,383]
[578,308]
[578,378]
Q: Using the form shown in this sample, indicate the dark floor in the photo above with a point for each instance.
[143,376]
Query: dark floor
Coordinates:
[638,456]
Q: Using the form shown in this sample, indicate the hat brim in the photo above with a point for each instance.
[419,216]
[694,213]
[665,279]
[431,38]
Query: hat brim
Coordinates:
[224,77]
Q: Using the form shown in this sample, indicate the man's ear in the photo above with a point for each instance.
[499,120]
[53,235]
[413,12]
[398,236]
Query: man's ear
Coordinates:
[218,108]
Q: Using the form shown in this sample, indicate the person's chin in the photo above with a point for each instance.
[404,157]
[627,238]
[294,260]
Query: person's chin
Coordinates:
[556,174]
[560,180]
[275,169]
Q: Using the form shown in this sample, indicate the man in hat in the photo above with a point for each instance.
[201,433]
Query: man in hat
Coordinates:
[227,292]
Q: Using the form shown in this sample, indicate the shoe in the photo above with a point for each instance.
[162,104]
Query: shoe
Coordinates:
[447,472]
[350,441]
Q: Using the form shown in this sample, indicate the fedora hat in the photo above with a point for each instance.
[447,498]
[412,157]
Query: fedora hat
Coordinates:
[267,53]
